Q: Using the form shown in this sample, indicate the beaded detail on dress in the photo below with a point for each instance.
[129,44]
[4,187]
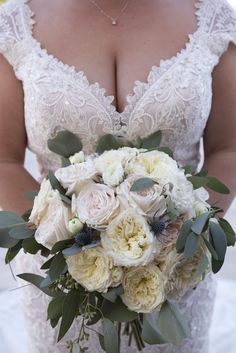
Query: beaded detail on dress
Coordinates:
[176,98]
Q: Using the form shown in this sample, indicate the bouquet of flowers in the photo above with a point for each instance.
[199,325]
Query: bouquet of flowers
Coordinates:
[127,232]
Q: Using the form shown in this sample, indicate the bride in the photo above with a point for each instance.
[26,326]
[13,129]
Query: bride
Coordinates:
[123,67]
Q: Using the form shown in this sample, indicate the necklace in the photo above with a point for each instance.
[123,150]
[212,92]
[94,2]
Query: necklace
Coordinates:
[113,19]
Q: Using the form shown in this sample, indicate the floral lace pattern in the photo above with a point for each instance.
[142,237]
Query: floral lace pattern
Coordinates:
[176,98]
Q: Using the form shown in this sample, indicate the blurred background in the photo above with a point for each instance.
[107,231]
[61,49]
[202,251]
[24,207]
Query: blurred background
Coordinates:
[223,329]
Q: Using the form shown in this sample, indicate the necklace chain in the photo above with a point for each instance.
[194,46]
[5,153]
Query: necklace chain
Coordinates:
[113,19]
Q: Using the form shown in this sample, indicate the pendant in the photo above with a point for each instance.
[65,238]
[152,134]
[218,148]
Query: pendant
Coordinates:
[114,22]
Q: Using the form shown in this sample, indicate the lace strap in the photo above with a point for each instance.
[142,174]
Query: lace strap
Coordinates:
[16,24]
[218,20]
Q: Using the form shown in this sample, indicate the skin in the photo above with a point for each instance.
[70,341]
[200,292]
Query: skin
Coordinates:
[115,57]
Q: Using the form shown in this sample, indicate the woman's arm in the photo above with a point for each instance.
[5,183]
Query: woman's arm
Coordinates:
[14,179]
[220,132]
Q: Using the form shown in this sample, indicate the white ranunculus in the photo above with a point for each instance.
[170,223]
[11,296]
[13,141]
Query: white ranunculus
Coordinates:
[144,288]
[77,158]
[200,205]
[147,202]
[42,200]
[93,269]
[122,156]
[53,226]
[113,175]
[129,240]
[75,225]
[96,205]
[74,176]
[154,164]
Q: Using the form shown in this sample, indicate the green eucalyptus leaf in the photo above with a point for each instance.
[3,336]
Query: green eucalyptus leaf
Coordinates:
[69,312]
[216,265]
[183,235]
[229,232]
[152,141]
[57,267]
[61,245]
[191,245]
[65,144]
[166,150]
[118,312]
[113,293]
[173,324]
[26,215]
[55,183]
[44,251]
[217,185]
[101,341]
[202,266]
[46,282]
[107,142]
[12,252]
[189,169]
[219,240]
[203,172]
[210,248]
[46,264]
[142,184]
[151,333]
[55,308]
[30,195]
[73,250]
[36,280]
[5,240]
[201,222]
[31,246]
[65,162]
[111,339]
[9,219]
[21,232]
[198,181]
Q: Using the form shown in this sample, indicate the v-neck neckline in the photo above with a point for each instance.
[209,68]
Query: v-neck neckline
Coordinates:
[140,88]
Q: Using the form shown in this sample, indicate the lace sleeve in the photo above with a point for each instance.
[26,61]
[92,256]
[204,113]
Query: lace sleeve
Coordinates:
[221,25]
[15,26]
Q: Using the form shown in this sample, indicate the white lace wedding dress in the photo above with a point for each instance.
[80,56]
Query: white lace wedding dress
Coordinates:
[176,99]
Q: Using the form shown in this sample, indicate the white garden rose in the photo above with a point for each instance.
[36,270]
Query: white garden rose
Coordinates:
[120,156]
[182,194]
[96,205]
[74,176]
[53,226]
[200,205]
[154,164]
[42,200]
[147,202]
[77,158]
[93,269]
[129,240]
[113,175]
[144,289]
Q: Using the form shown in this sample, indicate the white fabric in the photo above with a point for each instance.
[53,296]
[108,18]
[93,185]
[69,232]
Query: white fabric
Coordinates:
[176,99]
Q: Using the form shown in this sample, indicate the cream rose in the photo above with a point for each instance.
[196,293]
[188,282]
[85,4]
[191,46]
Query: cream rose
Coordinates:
[94,270]
[96,205]
[53,226]
[128,240]
[146,202]
[74,176]
[42,200]
[155,164]
[144,289]
[113,175]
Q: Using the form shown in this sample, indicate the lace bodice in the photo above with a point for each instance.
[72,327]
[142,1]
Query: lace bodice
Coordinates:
[176,98]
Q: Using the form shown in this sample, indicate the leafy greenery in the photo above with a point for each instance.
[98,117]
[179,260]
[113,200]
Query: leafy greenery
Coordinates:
[111,340]
[142,184]
[65,144]
[118,312]
[108,142]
